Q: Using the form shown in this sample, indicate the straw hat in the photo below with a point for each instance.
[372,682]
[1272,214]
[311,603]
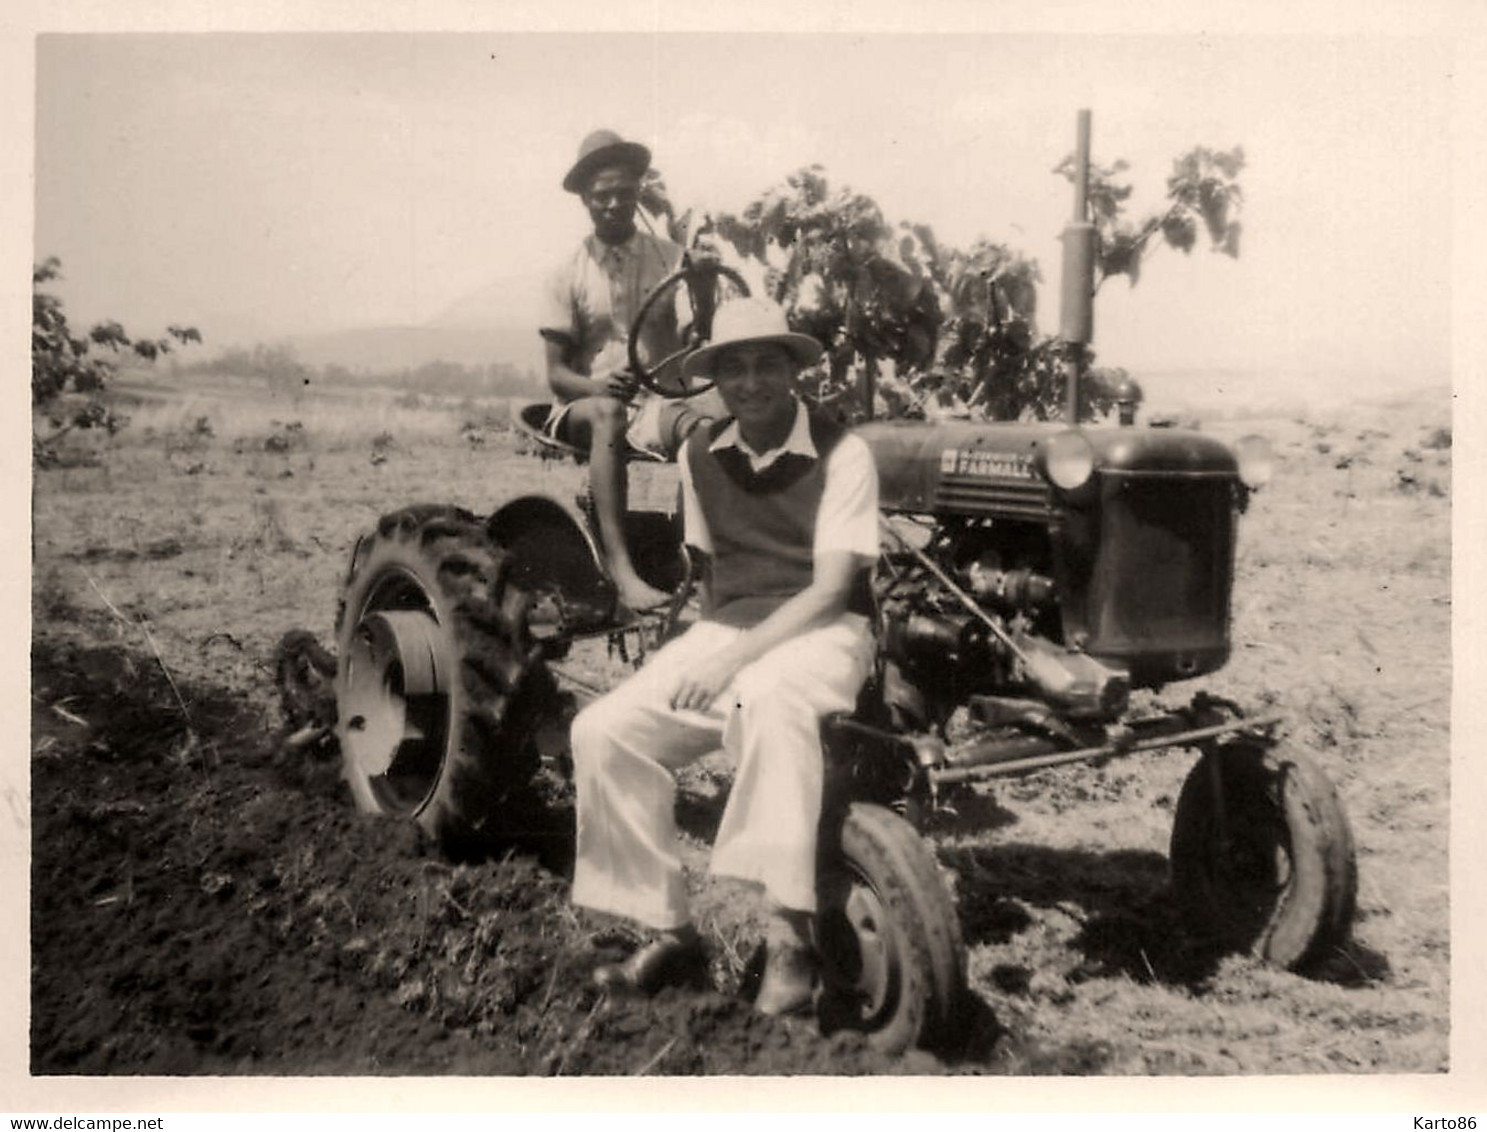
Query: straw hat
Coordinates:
[602,148]
[750,320]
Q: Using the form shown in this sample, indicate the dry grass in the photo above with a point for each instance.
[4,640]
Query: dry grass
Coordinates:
[332,419]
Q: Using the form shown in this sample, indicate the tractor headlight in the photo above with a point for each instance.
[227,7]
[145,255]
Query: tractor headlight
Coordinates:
[1069,459]
[1256,461]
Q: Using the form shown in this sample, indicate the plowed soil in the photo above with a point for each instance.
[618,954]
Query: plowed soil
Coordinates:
[204,903]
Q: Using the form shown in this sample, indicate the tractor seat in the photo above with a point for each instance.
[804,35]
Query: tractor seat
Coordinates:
[531,421]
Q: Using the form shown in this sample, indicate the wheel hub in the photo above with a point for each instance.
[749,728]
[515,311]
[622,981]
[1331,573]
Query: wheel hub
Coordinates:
[858,956]
[875,965]
[392,661]
[1254,864]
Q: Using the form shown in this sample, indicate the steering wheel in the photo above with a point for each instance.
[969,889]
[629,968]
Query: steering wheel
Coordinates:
[705,288]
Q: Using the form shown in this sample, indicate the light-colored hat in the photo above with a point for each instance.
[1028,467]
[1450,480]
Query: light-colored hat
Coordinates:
[602,148]
[750,320]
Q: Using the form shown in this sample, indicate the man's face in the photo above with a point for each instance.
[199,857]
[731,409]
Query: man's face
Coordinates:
[757,383]
[611,199]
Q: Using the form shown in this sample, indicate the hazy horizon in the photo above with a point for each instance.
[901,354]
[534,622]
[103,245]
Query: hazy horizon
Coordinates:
[267,187]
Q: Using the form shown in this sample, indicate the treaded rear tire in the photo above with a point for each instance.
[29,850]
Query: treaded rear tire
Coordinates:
[1279,880]
[465,755]
[893,965]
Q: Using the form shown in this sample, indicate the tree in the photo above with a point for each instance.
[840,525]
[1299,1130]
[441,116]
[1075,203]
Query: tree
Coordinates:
[866,291]
[1202,189]
[916,328]
[68,380]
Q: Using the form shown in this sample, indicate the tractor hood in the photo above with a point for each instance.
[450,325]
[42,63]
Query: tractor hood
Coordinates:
[974,467]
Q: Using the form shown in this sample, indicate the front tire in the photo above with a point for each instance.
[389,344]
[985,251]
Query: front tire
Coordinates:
[1262,855]
[439,686]
[892,961]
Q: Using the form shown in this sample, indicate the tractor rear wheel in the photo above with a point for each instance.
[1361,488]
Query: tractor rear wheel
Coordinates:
[1262,856]
[440,686]
[888,935]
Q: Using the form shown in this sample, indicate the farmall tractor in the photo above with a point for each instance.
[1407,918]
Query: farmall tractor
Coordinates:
[1033,576]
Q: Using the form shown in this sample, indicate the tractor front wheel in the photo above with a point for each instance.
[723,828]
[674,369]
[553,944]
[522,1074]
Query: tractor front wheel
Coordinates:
[892,962]
[1262,856]
[440,686]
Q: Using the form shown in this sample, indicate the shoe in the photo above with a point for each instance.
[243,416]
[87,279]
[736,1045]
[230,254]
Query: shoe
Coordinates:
[663,962]
[789,983]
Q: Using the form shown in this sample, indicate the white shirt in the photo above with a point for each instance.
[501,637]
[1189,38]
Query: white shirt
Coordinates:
[848,515]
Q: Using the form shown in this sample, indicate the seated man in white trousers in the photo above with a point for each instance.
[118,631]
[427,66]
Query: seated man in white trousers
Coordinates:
[785,508]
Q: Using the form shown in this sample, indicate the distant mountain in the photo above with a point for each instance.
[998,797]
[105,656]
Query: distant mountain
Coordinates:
[379,349]
[513,301]
[494,323]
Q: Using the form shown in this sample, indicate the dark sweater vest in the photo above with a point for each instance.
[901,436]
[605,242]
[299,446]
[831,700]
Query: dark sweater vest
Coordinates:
[762,524]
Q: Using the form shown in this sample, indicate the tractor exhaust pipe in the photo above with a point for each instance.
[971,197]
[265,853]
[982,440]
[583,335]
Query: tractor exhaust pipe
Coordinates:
[1077,284]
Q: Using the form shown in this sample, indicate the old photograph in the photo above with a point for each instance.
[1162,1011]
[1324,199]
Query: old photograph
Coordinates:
[741,554]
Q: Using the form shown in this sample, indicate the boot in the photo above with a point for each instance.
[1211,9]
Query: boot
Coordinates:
[672,959]
[789,982]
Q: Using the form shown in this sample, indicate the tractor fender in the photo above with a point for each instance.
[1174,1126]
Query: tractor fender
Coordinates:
[554,551]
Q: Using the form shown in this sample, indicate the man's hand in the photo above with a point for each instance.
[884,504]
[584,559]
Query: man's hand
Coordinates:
[705,252]
[619,384]
[703,684]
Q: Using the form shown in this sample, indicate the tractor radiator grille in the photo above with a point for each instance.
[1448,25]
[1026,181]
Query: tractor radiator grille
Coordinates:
[977,495]
[1162,581]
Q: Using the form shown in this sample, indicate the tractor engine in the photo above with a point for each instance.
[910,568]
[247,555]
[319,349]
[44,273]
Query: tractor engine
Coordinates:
[1037,565]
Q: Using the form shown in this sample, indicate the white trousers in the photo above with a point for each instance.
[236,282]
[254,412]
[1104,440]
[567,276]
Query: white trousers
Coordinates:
[627,744]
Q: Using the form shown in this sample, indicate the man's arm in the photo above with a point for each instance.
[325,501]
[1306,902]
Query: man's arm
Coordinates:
[569,385]
[694,522]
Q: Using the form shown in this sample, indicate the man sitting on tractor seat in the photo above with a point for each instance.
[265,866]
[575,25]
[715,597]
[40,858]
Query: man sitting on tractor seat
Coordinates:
[586,324]
[784,507]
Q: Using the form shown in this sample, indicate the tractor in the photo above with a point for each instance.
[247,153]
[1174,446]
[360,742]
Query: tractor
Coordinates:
[1033,577]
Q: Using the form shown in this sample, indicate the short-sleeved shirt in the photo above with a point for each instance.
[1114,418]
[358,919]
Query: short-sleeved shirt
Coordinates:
[848,515]
[595,294]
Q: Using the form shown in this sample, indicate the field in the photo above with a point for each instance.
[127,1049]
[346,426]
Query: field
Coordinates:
[202,903]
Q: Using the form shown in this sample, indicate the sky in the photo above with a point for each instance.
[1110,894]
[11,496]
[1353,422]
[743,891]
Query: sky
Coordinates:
[265,185]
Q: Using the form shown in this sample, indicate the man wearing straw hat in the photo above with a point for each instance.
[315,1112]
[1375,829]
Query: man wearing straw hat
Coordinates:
[784,507]
[586,322]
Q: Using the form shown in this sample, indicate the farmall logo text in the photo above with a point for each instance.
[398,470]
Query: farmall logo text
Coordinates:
[985,465]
